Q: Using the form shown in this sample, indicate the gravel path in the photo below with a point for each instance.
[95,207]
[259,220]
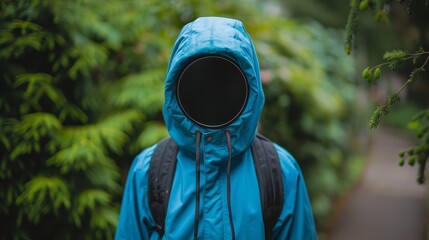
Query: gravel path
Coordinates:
[388,203]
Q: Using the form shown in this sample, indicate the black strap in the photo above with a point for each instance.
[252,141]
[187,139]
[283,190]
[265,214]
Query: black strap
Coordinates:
[268,170]
[161,172]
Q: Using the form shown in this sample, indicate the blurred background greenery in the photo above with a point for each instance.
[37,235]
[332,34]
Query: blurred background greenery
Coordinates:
[82,91]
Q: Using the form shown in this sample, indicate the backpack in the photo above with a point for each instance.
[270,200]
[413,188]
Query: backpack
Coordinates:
[268,171]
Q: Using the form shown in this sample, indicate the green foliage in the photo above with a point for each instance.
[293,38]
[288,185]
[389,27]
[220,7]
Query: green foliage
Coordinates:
[393,59]
[143,90]
[380,10]
[65,113]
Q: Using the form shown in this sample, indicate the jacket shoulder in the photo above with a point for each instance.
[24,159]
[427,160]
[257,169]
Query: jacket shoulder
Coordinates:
[141,162]
[288,163]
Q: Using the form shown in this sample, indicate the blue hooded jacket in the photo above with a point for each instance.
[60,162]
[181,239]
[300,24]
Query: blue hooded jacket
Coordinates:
[225,37]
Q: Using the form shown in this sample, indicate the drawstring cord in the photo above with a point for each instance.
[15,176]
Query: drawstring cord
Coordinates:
[228,180]
[197,187]
[197,184]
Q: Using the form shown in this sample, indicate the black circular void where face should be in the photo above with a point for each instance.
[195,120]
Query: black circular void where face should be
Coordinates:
[212,91]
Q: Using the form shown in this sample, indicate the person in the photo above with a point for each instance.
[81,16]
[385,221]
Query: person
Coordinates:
[213,101]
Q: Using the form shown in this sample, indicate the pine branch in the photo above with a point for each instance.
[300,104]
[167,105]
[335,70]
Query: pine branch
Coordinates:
[351,25]
[393,58]
[383,110]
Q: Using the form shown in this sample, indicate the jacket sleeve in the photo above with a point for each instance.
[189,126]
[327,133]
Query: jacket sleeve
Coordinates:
[296,219]
[135,220]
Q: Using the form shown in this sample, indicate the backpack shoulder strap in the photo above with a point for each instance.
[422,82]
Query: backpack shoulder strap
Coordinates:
[268,171]
[161,173]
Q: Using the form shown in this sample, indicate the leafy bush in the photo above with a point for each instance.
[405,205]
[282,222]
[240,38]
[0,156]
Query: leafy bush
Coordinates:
[61,127]
[81,94]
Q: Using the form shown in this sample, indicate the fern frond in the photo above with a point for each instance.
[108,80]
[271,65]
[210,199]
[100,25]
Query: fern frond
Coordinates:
[36,125]
[43,194]
[90,199]
[105,177]
[23,148]
[6,127]
[151,134]
[24,26]
[110,131]
[79,157]
[103,218]
[31,129]
[38,85]
[6,37]
[122,120]
[31,79]
[73,112]
[92,133]
[88,55]
[31,36]
[142,91]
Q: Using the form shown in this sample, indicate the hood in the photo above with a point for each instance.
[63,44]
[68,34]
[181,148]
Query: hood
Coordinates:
[222,37]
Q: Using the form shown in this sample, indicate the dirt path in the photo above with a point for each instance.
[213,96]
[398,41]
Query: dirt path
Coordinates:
[388,203]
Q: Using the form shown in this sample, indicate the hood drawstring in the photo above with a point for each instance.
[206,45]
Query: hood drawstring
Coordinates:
[228,180]
[197,186]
